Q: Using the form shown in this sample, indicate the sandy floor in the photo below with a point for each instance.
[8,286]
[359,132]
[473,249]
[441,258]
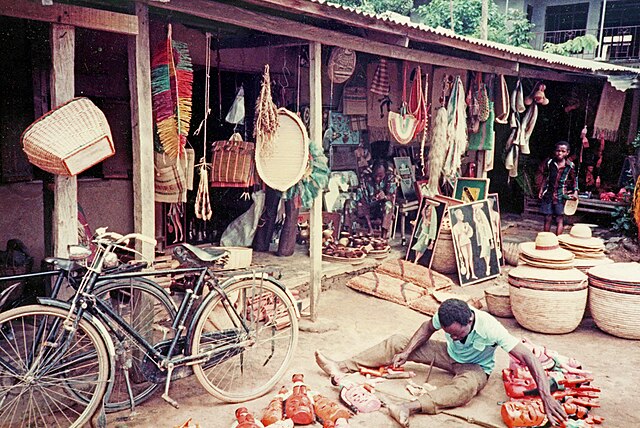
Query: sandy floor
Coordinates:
[362,320]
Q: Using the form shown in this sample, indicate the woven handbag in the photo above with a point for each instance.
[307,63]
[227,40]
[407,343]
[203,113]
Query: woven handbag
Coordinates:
[233,163]
[69,139]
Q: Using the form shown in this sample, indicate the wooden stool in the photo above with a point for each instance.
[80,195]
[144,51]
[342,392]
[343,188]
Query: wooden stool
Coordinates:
[403,208]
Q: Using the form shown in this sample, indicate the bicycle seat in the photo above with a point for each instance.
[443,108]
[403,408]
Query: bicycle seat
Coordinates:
[63,264]
[205,255]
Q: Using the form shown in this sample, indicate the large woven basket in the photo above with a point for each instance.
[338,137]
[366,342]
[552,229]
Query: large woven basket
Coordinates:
[614,298]
[498,301]
[444,256]
[69,139]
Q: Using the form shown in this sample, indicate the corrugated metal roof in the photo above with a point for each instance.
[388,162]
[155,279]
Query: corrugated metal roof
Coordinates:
[577,63]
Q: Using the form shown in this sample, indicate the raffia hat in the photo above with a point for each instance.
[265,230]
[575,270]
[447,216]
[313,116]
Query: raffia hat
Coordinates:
[545,249]
[580,237]
[570,207]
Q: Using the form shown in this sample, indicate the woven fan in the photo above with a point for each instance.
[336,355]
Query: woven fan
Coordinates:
[171,89]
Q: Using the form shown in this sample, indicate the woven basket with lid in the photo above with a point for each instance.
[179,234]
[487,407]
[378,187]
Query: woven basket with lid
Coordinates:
[444,255]
[69,139]
[548,300]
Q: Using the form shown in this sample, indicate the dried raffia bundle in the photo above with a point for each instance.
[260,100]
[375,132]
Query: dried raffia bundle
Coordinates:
[267,123]
[457,132]
[438,150]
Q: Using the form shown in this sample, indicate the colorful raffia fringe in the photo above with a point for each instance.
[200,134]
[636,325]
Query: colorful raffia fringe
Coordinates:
[314,181]
[636,205]
[171,89]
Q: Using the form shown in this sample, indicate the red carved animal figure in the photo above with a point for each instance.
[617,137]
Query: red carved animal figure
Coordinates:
[275,410]
[245,419]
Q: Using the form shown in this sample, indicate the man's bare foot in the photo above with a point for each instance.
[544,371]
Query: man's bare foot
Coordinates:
[400,413]
[329,366]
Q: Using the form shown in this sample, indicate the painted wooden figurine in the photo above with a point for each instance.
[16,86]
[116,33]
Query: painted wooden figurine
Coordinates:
[299,406]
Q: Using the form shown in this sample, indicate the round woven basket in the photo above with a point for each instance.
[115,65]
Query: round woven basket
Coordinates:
[615,313]
[552,311]
[498,301]
[69,139]
[444,255]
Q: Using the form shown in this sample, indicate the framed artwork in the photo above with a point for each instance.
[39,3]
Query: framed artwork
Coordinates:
[474,242]
[471,189]
[343,158]
[426,231]
[448,200]
[421,188]
[494,210]
[406,174]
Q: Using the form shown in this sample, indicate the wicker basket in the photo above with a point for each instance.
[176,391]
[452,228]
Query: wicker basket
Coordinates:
[498,301]
[69,139]
[552,311]
[615,313]
[239,257]
[444,255]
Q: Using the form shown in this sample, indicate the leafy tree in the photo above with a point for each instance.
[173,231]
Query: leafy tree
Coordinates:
[574,46]
[512,28]
[402,7]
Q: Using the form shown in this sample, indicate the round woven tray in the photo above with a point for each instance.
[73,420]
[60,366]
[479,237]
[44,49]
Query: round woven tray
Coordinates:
[548,311]
[615,313]
[444,256]
[498,301]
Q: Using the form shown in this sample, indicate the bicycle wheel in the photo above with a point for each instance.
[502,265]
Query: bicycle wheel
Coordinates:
[40,364]
[150,311]
[259,353]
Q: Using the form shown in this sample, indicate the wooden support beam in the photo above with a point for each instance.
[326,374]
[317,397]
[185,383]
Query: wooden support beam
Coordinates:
[65,198]
[315,135]
[142,132]
[558,77]
[77,16]
[281,26]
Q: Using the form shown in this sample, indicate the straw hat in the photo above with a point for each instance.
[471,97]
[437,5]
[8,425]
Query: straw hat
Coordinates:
[580,236]
[546,275]
[545,248]
[570,207]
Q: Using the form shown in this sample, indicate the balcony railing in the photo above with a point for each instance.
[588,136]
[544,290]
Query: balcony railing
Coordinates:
[619,44]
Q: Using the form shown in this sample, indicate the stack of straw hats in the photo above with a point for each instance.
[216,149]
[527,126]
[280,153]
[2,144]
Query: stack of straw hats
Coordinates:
[588,250]
[545,252]
[614,298]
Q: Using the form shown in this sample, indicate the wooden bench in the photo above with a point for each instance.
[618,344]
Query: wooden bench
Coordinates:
[586,206]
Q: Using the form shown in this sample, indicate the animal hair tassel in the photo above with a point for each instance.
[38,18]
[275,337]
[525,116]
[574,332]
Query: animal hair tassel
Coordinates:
[202,205]
[267,122]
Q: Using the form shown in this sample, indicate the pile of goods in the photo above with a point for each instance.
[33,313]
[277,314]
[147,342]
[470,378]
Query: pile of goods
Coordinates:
[588,250]
[300,406]
[352,247]
[570,384]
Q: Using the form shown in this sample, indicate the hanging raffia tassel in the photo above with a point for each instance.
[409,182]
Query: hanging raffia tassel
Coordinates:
[202,205]
[438,150]
[266,124]
[636,205]
[171,89]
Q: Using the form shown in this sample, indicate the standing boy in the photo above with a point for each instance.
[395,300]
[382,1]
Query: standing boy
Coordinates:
[557,182]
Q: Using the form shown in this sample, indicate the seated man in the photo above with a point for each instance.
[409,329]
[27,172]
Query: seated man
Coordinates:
[468,353]
[374,199]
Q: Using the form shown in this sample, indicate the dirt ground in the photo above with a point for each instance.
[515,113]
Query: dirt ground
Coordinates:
[360,320]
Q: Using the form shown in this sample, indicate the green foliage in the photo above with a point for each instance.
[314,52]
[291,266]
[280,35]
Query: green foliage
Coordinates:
[402,7]
[623,218]
[512,28]
[576,45]
[636,141]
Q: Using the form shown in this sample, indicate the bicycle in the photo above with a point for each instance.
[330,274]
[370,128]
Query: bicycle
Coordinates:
[57,359]
[126,296]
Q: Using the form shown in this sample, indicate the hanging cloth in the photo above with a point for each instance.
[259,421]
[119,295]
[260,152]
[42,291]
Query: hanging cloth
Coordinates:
[380,84]
[403,125]
[236,112]
[502,107]
[417,101]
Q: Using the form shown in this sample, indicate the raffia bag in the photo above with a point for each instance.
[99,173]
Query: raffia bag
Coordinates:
[232,164]
[69,139]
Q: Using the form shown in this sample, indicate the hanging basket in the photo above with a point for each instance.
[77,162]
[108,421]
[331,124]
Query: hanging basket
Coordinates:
[69,139]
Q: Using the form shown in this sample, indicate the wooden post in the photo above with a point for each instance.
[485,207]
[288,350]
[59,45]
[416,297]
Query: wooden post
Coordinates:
[315,135]
[142,132]
[65,205]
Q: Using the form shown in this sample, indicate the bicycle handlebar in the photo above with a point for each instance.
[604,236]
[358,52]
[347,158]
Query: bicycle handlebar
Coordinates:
[116,238]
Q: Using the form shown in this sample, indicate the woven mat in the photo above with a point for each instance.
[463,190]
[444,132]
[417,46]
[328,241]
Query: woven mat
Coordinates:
[414,273]
[386,287]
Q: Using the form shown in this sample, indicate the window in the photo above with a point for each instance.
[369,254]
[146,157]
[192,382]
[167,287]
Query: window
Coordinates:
[565,22]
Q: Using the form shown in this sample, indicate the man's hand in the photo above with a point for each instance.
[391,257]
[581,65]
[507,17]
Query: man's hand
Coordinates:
[399,359]
[554,410]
